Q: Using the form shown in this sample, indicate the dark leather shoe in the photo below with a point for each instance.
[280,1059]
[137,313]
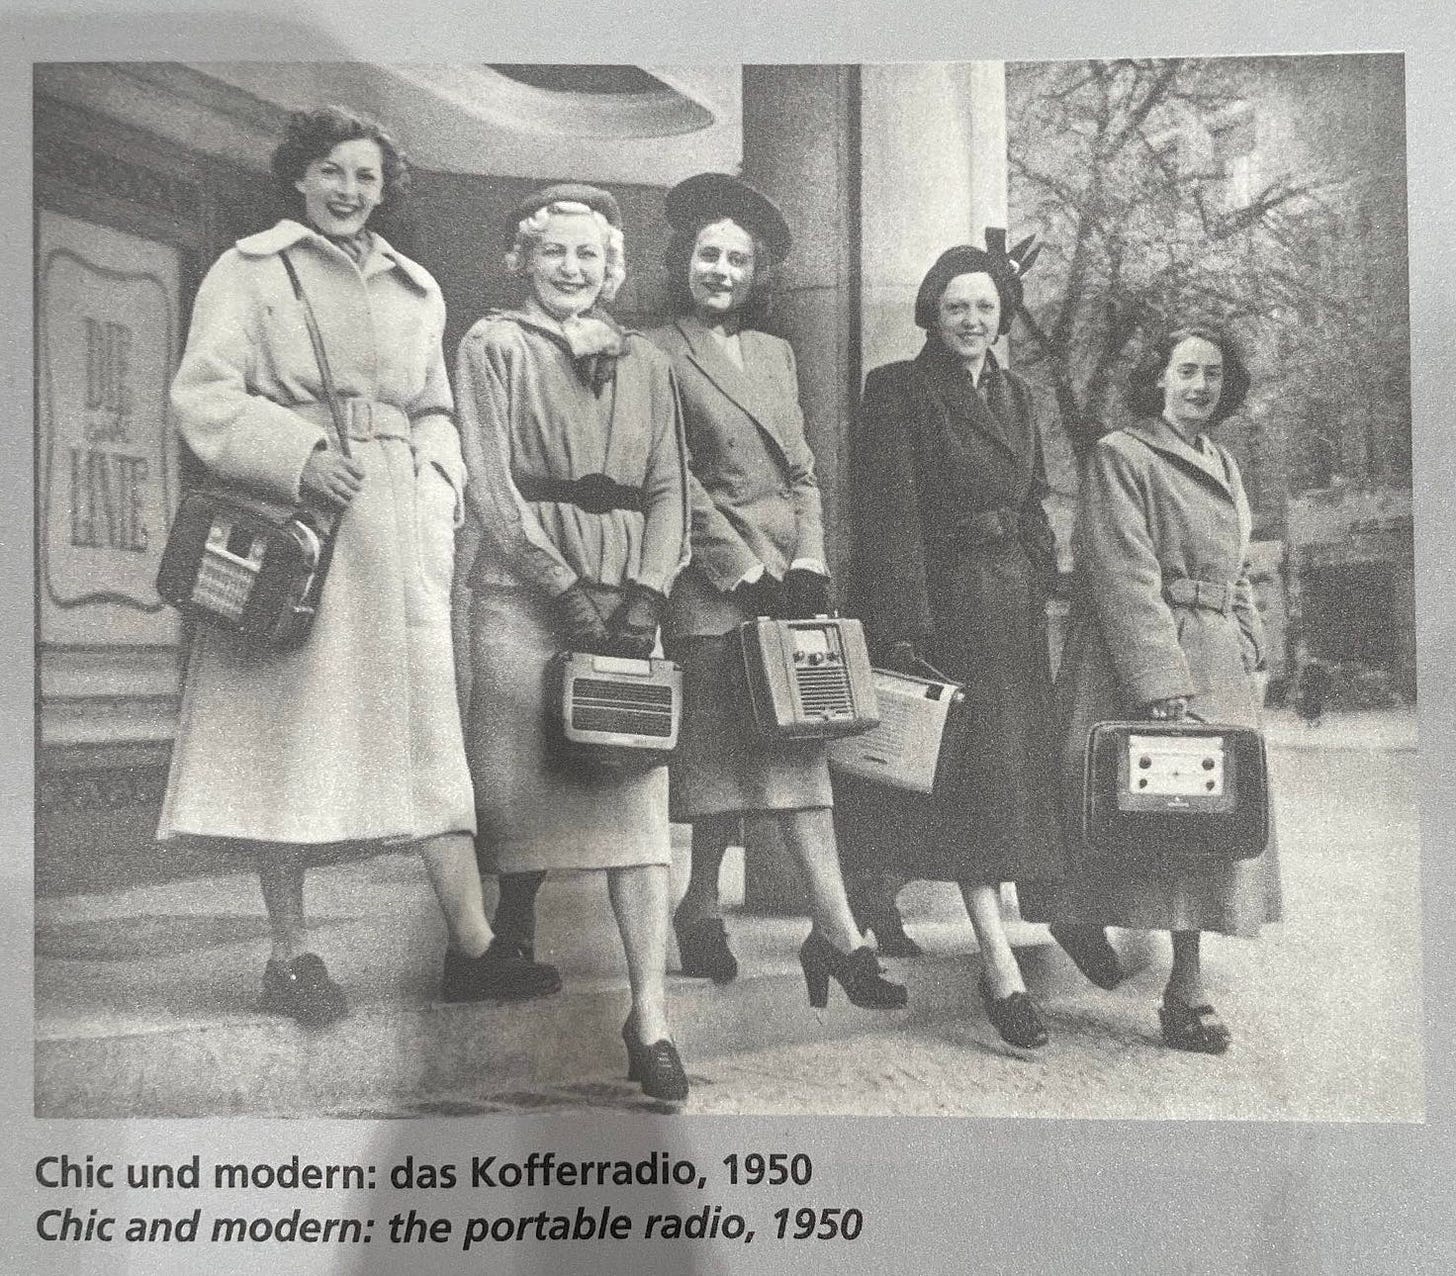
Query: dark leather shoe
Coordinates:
[1091,953]
[858,973]
[657,1068]
[302,990]
[1194,1028]
[702,943]
[500,973]
[1015,1017]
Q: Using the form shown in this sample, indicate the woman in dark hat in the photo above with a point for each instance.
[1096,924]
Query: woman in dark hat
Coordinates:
[352,740]
[757,549]
[1163,624]
[572,439]
[952,559]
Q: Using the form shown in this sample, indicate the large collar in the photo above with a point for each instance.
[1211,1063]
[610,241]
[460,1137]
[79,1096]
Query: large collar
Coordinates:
[548,328]
[739,385]
[1166,441]
[967,404]
[289,233]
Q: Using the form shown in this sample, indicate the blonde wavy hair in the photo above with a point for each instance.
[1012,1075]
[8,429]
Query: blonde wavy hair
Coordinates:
[532,230]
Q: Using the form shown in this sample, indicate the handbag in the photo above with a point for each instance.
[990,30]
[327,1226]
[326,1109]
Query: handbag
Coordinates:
[1175,795]
[248,564]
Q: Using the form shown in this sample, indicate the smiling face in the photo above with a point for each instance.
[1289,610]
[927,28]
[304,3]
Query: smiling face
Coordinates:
[968,317]
[568,264]
[720,271]
[1192,383]
[342,188]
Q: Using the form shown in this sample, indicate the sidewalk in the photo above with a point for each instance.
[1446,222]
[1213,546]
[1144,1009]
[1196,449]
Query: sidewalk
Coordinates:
[144,997]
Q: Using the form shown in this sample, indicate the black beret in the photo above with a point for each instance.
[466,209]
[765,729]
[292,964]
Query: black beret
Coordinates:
[594,197]
[709,197]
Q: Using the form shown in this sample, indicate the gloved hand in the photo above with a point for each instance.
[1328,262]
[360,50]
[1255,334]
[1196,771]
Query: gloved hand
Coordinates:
[803,594]
[904,657]
[578,622]
[759,597]
[632,630]
[1171,709]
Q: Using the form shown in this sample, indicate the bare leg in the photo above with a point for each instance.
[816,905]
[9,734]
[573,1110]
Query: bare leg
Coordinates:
[983,904]
[515,912]
[1185,980]
[280,876]
[810,837]
[640,897]
[450,863]
[712,835]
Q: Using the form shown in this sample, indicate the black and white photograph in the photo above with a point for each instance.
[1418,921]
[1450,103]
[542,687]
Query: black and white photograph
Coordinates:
[725,545]
[593,620]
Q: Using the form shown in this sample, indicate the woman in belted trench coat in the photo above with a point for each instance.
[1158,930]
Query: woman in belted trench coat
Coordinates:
[573,441]
[951,563]
[1163,624]
[353,740]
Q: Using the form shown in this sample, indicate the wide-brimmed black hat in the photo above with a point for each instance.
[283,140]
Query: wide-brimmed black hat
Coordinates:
[594,197]
[1007,269]
[708,197]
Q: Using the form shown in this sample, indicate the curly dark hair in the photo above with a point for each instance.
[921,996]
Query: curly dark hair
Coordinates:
[1145,395]
[311,135]
[679,256]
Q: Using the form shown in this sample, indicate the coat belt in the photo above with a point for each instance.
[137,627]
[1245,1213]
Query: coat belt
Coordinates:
[364,419]
[1207,595]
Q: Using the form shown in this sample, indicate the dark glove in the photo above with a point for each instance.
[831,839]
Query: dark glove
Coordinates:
[759,597]
[904,657]
[803,594]
[632,630]
[578,622]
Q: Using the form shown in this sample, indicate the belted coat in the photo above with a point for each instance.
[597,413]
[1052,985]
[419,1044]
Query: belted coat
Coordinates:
[1163,608]
[356,735]
[953,552]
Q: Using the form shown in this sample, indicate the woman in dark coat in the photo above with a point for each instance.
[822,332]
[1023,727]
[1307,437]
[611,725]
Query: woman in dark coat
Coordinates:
[952,559]
[757,549]
[1163,624]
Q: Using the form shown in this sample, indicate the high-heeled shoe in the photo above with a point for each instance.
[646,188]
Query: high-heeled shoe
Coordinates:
[858,973]
[702,943]
[1015,1017]
[1194,1028]
[657,1068]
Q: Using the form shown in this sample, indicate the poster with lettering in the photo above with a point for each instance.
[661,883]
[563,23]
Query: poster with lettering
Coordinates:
[106,329]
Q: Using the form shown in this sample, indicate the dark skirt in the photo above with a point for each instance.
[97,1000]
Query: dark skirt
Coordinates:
[723,764]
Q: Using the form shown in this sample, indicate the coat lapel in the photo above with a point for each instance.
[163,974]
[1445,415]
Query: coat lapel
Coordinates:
[963,404]
[735,384]
[1166,441]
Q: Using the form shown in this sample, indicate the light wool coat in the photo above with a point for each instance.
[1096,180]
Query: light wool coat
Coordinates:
[356,735]
[1156,511]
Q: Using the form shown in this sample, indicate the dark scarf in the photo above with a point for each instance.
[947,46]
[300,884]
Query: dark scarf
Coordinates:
[356,246]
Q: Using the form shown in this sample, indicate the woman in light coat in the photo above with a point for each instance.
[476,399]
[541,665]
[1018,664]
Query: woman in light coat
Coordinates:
[352,740]
[1163,625]
[757,549]
[573,442]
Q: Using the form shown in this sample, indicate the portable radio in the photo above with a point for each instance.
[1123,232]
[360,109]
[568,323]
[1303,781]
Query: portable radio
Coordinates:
[616,710]
[245,566]
[809,679]
[1175,792]
[904,750]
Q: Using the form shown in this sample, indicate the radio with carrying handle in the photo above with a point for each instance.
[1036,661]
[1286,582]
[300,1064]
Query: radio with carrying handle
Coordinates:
[615,712]
[919,717]
[248,564]
[809,679]
[1175,794]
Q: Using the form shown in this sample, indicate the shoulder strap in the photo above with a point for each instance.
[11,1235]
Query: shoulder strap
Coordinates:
[320,355]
